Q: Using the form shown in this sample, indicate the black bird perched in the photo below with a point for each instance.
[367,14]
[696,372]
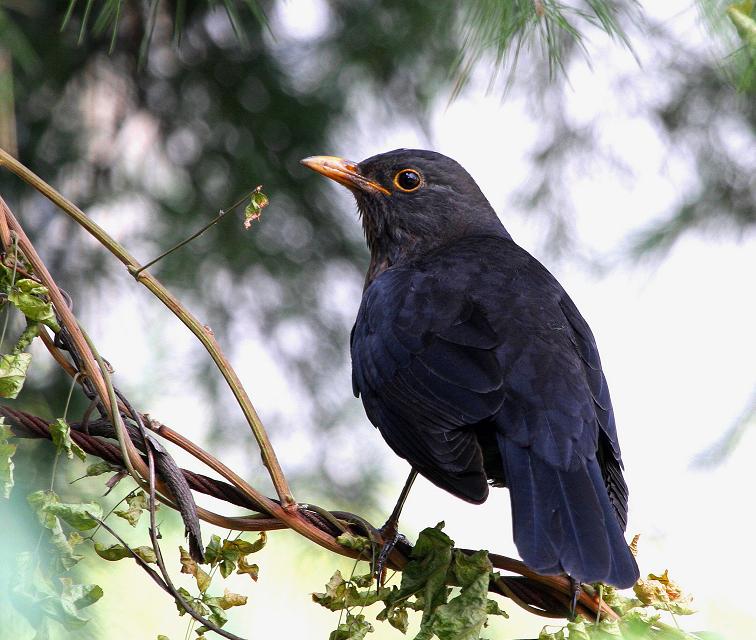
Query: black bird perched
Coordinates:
[477,367]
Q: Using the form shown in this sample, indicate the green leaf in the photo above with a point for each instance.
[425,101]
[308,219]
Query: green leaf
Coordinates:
[119,552]
[42,502]
[621,604]
[188,565]
[547,635]
[101,467]
[362,581]
[355,628]
[351,541]
[228,600]
[227,554]
[61,437]
[257,202]
[213,550]
[425,575]
[13,373]
[252,570]
[81,596]
[137,504]
[637,623]
[607,629]
[577,629]
[73,597]
[195,603]
[342,594]
[217,613]
[493,609]
[26,337]
[146,553]
[463,617]
[741,15]
[27,296]
[399,618]
[82,516]
[227,566]
[61,601]
[6,459]
[244,547]
[39,500]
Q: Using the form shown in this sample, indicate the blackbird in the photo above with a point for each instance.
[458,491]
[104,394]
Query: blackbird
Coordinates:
[477,367]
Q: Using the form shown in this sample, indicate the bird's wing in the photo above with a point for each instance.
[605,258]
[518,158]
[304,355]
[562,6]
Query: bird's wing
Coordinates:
[424,361]
[609,455]
[556,435]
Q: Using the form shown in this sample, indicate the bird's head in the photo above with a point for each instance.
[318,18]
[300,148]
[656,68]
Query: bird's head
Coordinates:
[411,201]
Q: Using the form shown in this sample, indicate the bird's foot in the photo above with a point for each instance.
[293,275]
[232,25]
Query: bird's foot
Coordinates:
[390,536]
[575,590]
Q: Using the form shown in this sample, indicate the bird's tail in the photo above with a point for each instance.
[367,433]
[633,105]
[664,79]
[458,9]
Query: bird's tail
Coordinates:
[563,521]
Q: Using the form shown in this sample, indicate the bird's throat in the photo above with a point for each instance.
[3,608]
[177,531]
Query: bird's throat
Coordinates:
[389,245]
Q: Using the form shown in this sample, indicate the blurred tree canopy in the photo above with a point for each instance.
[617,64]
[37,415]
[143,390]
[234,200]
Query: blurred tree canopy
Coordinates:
[154,140]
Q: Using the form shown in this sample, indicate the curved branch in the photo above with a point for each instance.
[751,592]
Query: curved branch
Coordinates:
[202,332]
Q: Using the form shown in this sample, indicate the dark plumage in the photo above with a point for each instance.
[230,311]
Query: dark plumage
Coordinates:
[477,367]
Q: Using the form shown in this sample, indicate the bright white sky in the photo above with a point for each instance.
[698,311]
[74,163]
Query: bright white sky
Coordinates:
[676,339]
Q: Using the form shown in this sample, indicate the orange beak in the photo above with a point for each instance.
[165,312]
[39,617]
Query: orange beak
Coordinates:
[344,172]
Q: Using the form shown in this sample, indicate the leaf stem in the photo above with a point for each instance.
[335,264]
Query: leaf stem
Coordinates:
[13,282]
[195,235]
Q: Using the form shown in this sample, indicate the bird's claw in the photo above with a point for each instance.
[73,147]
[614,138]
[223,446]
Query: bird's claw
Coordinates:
[390,537]
[575,590]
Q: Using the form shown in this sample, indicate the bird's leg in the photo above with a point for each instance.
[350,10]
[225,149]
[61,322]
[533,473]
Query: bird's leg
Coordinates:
[390,530]
[575,589]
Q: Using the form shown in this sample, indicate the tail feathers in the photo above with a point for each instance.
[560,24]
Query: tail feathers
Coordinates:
[563,520]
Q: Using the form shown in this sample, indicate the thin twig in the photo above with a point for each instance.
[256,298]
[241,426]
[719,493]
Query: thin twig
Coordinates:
[194,236]
[159,554]
[150,571]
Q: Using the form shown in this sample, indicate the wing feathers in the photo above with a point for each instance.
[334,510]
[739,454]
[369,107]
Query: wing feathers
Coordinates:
[563,521]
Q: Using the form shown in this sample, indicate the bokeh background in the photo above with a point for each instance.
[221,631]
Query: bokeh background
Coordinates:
[628,172]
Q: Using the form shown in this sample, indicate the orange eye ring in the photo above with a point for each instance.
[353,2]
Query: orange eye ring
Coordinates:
[408,180]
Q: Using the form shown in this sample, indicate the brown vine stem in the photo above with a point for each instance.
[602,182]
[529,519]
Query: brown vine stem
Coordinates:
[203,333]
[91,368]
[558,583]
[240,523]
[549,596]
[56,353]
[5,236]
[96,373]
[288,511]
[172,436]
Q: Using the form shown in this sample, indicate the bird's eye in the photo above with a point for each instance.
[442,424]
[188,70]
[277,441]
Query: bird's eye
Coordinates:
[408,180]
